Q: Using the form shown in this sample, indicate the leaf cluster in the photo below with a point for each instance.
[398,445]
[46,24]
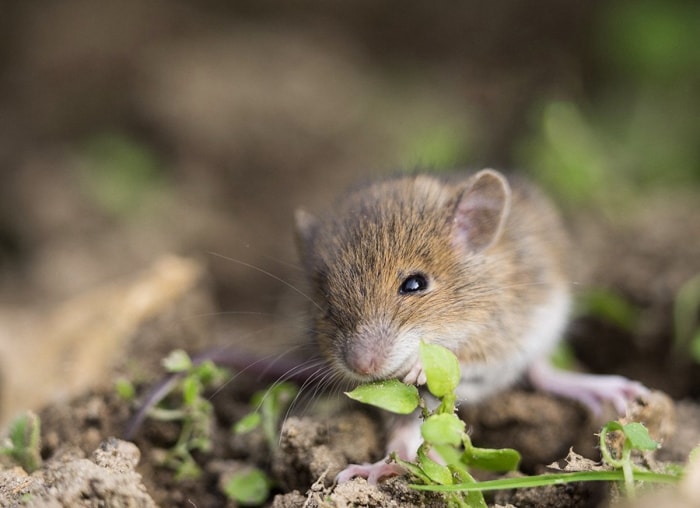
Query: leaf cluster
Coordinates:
[251,486]
[447,453]
[194,411]
[445,458]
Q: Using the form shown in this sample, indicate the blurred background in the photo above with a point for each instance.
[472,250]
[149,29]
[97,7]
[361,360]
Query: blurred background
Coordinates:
[133,129]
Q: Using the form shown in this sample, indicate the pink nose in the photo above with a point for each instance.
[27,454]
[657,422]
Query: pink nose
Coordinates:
[364,364]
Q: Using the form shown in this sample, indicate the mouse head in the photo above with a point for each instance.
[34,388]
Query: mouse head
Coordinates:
[398,262]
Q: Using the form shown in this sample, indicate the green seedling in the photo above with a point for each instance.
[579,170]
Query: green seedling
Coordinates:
[195,411]
[125,389]
[636,438]
[619,469]
[251,487]
[23,444]
[271,405]
[391,395]
[444,434]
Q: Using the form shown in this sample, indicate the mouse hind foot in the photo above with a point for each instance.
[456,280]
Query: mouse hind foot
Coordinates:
[592,390]
[371,472]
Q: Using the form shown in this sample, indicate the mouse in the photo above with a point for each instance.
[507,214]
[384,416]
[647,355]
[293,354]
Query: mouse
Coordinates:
[479,263]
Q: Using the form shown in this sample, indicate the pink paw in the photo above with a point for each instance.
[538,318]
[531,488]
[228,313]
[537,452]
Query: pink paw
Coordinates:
[617,390]
[415,376]
[372,472]
[590,389]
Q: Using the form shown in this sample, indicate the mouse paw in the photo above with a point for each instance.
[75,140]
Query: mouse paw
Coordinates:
[591,390]
[372,472]
[415,376]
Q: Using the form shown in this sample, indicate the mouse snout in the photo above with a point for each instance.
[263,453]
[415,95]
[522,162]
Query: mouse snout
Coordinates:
[367,351]
[364,364]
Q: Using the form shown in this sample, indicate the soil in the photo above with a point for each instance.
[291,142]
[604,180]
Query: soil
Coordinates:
[87,464]
[98,284]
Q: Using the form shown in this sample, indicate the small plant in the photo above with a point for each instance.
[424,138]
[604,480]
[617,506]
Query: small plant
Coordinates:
[442,430]
[251,486]
[270,405]
[622,469]
[125,389]
[444,433]
[635,437]
[23,443]
[194,413]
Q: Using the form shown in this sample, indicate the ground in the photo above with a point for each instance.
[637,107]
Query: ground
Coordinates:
[153,155]
[314,445]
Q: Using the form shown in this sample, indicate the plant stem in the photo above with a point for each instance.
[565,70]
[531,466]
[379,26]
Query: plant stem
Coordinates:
[550,479]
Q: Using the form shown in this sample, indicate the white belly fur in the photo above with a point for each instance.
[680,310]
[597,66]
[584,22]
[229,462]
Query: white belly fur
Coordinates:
[546,329]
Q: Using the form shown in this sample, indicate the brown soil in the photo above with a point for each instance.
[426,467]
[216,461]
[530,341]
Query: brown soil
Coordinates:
[87,466]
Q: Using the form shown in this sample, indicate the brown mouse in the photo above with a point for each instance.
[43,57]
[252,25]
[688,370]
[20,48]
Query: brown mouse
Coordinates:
[476,263]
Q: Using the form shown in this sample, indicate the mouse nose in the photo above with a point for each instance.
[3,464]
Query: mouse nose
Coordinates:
[364,363]
[367,350]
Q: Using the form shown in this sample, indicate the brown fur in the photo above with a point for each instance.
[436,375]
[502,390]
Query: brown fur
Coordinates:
[482,293]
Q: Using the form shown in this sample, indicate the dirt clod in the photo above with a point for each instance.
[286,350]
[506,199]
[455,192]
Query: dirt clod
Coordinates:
[541,427]
[312,448]
[107,478]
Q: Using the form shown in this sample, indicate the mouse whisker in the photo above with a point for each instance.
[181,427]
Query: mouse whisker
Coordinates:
[269,274]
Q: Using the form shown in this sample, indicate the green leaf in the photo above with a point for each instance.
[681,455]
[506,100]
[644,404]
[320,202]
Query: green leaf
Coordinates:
[639,437]
[436,472]
[247,423]
[489,459]
[177,361]
[210,374]
[441,369]
[390,395]
[249,488]
[411,468]
[187,470]
[271,404]
[191,389]
[443,429]
[475,499]
[563,357]
[451,455]
[125,389]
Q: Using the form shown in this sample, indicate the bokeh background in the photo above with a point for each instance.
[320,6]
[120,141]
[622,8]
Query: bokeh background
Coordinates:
[132,129]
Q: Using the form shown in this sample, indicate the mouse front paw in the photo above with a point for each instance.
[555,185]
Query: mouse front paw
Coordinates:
[415,376]
[371,472]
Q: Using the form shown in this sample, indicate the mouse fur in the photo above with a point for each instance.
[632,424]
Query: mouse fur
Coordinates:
[494,256]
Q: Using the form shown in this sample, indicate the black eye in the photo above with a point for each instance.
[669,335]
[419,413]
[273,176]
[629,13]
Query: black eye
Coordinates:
[414,283]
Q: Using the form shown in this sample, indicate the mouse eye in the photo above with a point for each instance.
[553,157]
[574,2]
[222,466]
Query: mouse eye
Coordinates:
[413,284]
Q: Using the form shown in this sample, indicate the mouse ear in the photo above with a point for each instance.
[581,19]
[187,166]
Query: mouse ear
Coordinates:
[481,211]
[306,225]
